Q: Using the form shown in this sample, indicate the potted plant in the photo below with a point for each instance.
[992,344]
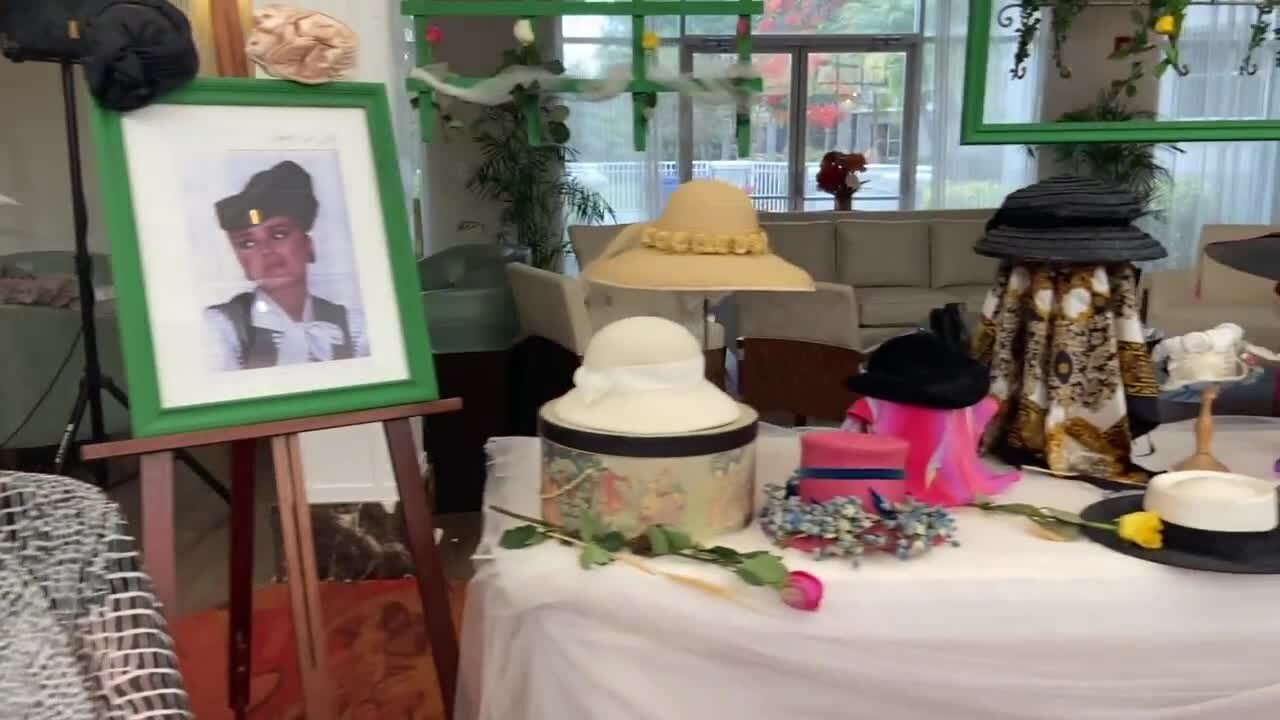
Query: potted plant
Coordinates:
[528,178]
[1133,165]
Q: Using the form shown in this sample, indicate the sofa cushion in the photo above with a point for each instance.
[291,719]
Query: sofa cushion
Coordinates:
[952,260]
[811,245]
[873,253]
[1261,323]
[973,296]
[898,306]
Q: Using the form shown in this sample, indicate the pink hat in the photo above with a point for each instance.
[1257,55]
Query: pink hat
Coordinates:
[845,464]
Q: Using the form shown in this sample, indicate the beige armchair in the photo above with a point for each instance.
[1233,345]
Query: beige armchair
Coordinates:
[1182,301]
[559,308]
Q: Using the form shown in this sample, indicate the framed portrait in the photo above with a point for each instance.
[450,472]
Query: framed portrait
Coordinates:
[263,261]
[990,48]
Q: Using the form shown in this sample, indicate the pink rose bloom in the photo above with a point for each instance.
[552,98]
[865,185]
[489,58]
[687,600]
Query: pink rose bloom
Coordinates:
[744,26]
[435,34]
[803,591]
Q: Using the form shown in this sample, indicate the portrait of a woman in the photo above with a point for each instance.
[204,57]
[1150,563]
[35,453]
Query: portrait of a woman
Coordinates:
[281,321]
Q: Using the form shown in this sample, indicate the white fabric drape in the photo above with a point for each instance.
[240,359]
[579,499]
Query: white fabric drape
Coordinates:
[1230,182]
[951,175]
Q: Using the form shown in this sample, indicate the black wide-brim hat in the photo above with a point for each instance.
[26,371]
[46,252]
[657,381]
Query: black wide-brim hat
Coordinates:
[1258,256]
[920,369]
[1069,219]
[283,189]
[1240,553]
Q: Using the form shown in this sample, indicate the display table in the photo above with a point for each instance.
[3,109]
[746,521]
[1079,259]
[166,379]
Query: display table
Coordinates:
[1007,626]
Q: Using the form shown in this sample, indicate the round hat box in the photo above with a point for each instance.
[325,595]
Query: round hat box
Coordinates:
[702,482]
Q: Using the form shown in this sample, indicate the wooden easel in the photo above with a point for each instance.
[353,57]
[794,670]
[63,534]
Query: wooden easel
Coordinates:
[157,479]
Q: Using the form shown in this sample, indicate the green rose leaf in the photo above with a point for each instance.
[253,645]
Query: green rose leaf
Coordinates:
[767,569]
[748,577]
[1057,530]
[724,553]
[592,555]
[1064,516]
[755,553]
[678,539]
[559,132]
[613,541]
[658,541]
[521,537]
[589,526]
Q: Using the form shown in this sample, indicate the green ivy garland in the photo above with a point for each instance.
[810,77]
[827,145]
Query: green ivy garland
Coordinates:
[1028,26]
[1065,13]
[1258,35]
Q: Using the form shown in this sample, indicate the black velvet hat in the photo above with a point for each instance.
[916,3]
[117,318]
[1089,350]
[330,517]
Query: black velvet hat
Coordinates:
[1258,256]
[1255,553]
[285,189]
[137,50]
[921,369]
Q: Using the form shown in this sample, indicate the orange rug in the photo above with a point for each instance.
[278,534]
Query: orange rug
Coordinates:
[379,658]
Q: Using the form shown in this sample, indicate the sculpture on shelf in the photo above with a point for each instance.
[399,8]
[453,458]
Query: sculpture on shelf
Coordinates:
[301,45]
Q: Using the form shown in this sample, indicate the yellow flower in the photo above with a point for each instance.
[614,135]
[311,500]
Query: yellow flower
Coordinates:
[1141,528]
[1166,25]
[650,41]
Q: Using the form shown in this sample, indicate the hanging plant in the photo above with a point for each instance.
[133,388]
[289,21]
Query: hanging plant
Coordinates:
[1166,19]
[1065,13]
[1258,35]
[1028,26]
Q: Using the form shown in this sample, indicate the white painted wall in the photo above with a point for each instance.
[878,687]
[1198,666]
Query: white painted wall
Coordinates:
[33,161]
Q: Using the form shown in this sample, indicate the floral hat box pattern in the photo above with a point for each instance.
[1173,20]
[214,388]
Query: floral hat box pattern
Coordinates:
[644,439]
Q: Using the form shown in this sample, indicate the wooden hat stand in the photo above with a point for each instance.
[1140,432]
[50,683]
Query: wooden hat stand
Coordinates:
[157,480]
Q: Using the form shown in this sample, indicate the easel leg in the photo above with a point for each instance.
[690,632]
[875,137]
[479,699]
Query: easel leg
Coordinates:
[432,586]
[158,551]
[304,591]
[243,494]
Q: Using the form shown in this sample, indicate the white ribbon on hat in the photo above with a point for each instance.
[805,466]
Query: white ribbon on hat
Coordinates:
[595,384]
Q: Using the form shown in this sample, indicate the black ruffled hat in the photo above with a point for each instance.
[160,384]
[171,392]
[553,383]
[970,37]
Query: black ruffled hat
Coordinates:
[1069,219]
[284,189]
[921,369]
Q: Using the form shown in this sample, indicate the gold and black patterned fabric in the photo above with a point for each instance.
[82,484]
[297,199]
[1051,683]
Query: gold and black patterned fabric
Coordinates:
[1070,365]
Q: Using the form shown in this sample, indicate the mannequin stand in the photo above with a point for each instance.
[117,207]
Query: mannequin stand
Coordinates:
[1203,458]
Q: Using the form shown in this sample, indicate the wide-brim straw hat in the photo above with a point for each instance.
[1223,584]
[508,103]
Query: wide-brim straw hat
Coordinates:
[1070,219]
[645,375]
[707,240]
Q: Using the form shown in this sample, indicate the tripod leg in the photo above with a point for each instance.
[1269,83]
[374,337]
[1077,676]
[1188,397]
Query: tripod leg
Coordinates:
[243,480]
[73,426]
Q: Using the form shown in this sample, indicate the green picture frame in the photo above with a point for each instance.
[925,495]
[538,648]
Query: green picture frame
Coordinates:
[149,415]
[975,130]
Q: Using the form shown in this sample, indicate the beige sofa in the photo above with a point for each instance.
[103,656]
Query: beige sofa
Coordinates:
[879,274]
[1184,301]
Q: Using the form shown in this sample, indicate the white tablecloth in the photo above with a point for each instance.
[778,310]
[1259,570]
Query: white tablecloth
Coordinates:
[1006,626]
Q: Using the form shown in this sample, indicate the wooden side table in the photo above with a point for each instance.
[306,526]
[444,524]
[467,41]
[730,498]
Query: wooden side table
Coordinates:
[803,379]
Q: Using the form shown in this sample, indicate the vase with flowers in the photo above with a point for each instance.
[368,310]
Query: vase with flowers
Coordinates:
[838,176]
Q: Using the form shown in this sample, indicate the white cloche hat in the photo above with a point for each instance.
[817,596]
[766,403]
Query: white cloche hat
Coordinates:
[644,376]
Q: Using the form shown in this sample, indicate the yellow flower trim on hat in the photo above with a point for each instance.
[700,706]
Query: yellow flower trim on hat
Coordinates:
[681,242]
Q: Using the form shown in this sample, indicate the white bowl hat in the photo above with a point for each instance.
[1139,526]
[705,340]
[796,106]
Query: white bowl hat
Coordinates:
[645,376]
[1214,501]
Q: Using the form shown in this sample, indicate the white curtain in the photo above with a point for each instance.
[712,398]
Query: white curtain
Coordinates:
[952,175]
[1229,182]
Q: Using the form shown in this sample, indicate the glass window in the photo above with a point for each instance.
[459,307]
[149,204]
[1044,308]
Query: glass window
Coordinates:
[837,17]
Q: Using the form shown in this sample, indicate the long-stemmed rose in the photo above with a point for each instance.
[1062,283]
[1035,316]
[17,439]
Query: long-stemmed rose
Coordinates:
[1141,528]
[601,546]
